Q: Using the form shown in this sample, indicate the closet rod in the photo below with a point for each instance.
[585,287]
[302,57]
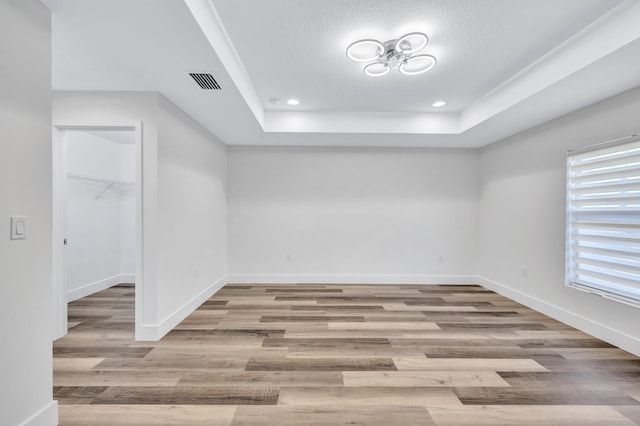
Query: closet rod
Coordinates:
[96,179]
[106,189]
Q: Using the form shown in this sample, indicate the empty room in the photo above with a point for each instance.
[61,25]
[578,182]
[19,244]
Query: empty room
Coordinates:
[320,212]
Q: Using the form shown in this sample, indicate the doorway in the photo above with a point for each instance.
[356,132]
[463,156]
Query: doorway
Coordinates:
[97,213]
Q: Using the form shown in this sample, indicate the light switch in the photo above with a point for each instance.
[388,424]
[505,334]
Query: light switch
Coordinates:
[18,227]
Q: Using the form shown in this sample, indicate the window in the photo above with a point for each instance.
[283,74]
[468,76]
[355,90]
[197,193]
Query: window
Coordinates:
[603,220]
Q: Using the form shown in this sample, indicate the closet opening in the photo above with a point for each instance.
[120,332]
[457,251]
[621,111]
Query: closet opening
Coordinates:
[97,214]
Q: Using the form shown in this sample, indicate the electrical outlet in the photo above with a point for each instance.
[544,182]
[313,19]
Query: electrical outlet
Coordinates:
[441,258]
[196,272]
[289,257]
[525,271]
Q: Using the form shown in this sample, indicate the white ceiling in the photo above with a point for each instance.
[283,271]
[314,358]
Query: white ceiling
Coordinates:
[503,65]
[478,44]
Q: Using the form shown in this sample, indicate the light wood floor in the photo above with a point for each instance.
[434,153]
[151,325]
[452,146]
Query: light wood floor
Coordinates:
[337,355]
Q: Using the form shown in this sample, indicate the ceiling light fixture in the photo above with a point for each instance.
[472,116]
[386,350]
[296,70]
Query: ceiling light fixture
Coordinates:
[392,54]
[293,102]
[439,104]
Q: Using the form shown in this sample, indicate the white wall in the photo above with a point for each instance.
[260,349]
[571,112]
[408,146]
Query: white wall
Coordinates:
[127,238]
[352,215]
[25,190]
[192,211]
[522,218]
[184,206]
[100,221]
[128,211]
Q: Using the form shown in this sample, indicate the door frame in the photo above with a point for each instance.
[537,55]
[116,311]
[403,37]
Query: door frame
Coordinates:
[59,172]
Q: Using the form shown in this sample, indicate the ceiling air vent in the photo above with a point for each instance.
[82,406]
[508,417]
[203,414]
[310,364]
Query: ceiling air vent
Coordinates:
[205,81]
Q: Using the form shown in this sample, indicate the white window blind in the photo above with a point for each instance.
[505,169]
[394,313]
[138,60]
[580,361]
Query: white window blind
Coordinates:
[603,220]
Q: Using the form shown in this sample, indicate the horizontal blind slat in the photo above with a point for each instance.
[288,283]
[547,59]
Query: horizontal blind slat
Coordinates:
[604,237]
[620,176]
[583,192]
[622,278]
[623,203]
[626,184]
[627,218]
[622,247]
[618,151]
[610,227]
[607,209]
[611,258]
[630,267]
[602,166]
[628,196]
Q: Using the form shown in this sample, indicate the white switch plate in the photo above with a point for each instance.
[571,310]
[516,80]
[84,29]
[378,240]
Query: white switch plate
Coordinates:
[18,227]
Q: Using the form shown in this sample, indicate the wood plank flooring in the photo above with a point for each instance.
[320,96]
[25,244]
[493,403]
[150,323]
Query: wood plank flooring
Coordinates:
[338,355]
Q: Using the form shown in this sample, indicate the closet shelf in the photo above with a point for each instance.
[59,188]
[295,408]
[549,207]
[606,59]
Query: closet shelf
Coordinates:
[122,187]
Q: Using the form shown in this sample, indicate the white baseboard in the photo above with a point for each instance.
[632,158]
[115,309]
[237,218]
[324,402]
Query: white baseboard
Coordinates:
[601,331]
[97,286]
[47,416]
[127,278]
[155,332]
[350,279]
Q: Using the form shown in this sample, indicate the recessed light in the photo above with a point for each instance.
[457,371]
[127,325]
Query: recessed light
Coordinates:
[293,102]
[439,104]
[275,101]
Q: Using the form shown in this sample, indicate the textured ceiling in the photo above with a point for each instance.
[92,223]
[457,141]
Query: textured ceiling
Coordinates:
[296,48]
[504,65]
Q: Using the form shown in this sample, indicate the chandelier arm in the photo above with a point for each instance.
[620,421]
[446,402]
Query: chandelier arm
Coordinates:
[380,51]
[392,54]
[422,41]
